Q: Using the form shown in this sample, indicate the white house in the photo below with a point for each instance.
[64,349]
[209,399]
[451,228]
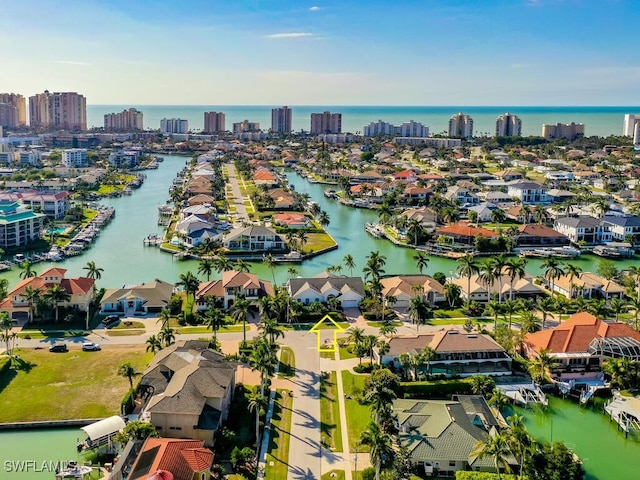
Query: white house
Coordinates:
[321,288]
[255,238]
[583,229]
[528,192]
[622,225]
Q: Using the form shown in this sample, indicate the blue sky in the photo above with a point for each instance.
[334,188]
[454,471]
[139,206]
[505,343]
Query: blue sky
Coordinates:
[403,52]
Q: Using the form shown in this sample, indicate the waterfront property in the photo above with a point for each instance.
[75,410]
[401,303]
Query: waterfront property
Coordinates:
[19,225]
[405,287]
[441,435]
[233,284]
[580,344]
[588,285]
[253,239]
[455,353]
[186,391]
[476,289]
[348,290]
[142,299]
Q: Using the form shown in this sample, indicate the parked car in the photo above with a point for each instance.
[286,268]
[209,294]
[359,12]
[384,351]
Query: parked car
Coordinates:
[58,347]
[110,320]
[90,347]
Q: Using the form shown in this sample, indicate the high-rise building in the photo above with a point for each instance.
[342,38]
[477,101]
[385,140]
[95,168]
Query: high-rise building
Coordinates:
[406,129]
[246,126]
[326,122]
[8,115]
[127,120]
[213,122]
[19,102]
[569,131]
[281,120]
[508,125]
[461,125]
[630,122]
[173,125]
[63,110]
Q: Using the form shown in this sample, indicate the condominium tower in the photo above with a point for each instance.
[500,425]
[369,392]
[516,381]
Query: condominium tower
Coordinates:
[281,120]
[63,110]
[508,125]
[326,122]
[173,125]
[461,125]
[20,104]
[246,126]
[630,122]
[213,122]
[8,115]
[406,129]
[127,120]
[568,131]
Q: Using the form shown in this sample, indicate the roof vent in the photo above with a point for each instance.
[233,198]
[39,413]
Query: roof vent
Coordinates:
[452,332]
[472,336]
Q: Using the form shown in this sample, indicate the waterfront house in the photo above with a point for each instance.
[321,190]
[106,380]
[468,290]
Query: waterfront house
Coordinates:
[464,234]
[428,218]
[580,344]
[349,290]
[583,228]
[79,289]
[19,225]
[184,459]
[484,211]
[141,299]
[370,176]
[558,196]
[528,192]
[405,287]
[186,391]
[621,226]
[537,235]
[283,199]
[294,221]
[53,204]
[201,199]
[478,290]
[408,176]
[588,285]
[264,176]
[456,353]
[441,435]
[254,239]
[414,193]
[232,285]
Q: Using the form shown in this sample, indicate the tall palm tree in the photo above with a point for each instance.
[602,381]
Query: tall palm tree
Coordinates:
[418,311]
[414,228]
[164,316]
[27,271]
[542,364]
[422,261]
[487,275]
[618,306]
[349,262]
[167,336]
[380,398]
[154,344]
[302,239]
[355,335]
[257,402]
[498,216]
[452,293]
[221,263]
[509,308]
[467,267]
[263,360]
[529,322]
[380,443]
[31,296]
[494,309]
[93,271]
[545,306]
[427,355]
[241,266]
[270,329]
[515,268]
[206,267]
[189,283]
[5,326]
[128,371]
[552,271]
[240,311]
[373,268]
[214,319]
[269,262]
[56,295]
[323,218]
[497,265]
[574,272]
[494,446]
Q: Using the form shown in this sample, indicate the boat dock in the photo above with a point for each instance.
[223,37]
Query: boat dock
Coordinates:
[524,394]
[152,240]
[625,411]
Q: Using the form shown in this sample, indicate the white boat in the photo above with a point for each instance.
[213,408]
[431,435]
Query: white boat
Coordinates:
[73,470]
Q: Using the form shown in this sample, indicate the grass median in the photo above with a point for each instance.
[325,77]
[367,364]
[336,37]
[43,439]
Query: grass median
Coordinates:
[278,454]
[287,368]
[60,386]
[330,426]
[358,415]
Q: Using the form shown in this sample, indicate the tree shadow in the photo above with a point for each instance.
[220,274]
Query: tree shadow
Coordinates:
[22,365]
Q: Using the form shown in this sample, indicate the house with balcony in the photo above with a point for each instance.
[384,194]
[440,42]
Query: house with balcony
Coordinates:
[461,195]
[588,285]
[456,353]
[254,239]
[464,234]
[528,192]
[233,284]
[621,226]
[537,235]
[583,229]
[184,459]
[475,289]
[580,344]
[321,288]
[405,287]
[137,299]
[18,224]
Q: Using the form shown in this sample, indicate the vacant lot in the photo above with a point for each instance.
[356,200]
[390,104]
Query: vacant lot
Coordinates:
[75,384]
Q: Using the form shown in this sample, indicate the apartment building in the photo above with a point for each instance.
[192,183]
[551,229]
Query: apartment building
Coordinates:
[214,122]
[326,122]
[62,110]
[8,116]
[127,120]
[461,125]
[246,126]
[75,157]
[508,125]
[631,121]
[18,224]
[406,129]
[568,131]
[281,120]
[19,102]
[173,125]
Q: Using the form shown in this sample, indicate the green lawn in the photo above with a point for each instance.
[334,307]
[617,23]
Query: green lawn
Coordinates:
[395,323]
[358,416]
[333,475]
[278,453]
[287,368]
[40,334]
[128,324]
[124,332]
[345,352]
[330,426]
[318,241]
[75,384]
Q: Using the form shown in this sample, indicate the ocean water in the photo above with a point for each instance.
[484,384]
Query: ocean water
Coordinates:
[600,121]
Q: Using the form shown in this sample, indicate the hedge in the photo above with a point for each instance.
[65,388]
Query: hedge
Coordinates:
[125,406]
[464,475]
[435,388]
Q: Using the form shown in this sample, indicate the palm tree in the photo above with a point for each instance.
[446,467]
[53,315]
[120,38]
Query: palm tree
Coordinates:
[617,306]
[221,263]
[153,344]
[164,316]
[263,360]
[380,397]
[634,305]
[55,295]
[292,272]
[387,328]
[419,311]
[422,260]
[529,322]
[323,218]
[452,293]
[6,325]
[241,266]
[467,267]
[257,402]
[552,271]
[349,262]
[493,309]
[270,263]
[574,272]
[514,268]
[498,216]
[374,265]
[544,305]
[355,335]
[509,308]
[427,355]
[414,228]
[494,446]
[214,319]
[94,272]
[128,371]
[381,446]
[270,329]
[189,283]
[167,336]
[497,265]
[542,364]
[31,296]
[540,213]
[206,267]
[240,311]
[27,271]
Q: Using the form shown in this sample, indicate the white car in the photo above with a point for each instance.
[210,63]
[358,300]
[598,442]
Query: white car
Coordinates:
[90,347]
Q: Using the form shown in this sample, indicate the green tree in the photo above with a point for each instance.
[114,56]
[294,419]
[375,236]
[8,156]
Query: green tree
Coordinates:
[189,283]
[552,271]
[153,344]
[93,271]
[206,267]
[381,448]
[27,271]
[467,267]
[419,311]
[482,385]
[5,326]
[128,371]
[422,261]
[493,309]
[542,364]
[240,311]
[515,269]
[257,403]
[496,447]
[214,319]
[349,263]
[164,316]
[31,296]
[452,293]
[56,295]
[269,262]
[545,306]
[607,269]
[167,335]
[270,329]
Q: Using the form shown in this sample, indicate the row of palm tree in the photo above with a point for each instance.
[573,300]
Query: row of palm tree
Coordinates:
[363,345]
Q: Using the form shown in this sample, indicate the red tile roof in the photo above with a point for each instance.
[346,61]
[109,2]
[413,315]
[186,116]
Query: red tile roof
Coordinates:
[465,230]
[181,457]
[537,230]
[575,334]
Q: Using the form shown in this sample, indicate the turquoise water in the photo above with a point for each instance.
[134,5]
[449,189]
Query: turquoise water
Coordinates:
[56,230]
[602,121]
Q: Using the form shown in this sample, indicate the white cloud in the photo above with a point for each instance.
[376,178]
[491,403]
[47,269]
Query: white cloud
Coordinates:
[314,8]
[73,62]
[290,35]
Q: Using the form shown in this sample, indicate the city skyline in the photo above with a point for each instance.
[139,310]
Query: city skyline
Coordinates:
[325,52]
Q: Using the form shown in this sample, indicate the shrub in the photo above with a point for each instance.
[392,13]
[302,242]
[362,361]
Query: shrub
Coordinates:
[369,473]
[125,406]
[434,389]
[463,475]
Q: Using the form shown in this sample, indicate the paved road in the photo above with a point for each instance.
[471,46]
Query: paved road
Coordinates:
[238,201]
